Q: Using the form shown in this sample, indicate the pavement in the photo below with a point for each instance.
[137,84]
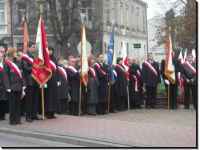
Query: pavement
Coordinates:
[133,128]
[10,140]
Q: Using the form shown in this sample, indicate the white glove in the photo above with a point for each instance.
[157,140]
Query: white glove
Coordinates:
[58,83]
[167,82]
[8,90]
[69,98]
[23,88]
[23,94]
[45,86]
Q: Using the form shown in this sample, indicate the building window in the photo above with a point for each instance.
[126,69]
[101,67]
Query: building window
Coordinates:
[2,16]
[21,12]
[144,22]
[137,11]
[108,16]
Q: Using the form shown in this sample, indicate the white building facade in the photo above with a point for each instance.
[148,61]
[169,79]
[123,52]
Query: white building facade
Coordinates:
[129,19]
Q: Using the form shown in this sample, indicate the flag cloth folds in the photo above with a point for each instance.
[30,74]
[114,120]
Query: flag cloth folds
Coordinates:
[84,58]
[180,57]
[169,67]
[41,70]
[25,36]
[124,55]
[111,58]
[110,52]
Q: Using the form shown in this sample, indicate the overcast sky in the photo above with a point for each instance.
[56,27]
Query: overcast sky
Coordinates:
[158,7]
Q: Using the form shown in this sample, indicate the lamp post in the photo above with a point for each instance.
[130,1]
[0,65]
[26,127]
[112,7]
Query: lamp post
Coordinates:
[11,23]
[40,4]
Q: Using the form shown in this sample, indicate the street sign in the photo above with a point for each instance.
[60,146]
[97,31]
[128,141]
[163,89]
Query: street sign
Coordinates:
[88,47]
[137,45]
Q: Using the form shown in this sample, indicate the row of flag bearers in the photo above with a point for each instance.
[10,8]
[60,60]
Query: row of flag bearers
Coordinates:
[86,85]
[62,91]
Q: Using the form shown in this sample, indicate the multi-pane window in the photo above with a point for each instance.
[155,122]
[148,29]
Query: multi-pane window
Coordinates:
[2,16]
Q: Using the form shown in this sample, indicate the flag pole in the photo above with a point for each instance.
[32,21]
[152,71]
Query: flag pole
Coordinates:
[168,95]
[42,96]
[80,95]
[80,90]
[109,96]
[128,98]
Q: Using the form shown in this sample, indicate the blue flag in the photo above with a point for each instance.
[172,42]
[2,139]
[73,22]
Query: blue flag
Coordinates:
[110,51]
[110,54]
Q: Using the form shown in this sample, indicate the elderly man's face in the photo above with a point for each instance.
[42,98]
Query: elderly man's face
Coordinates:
[2,52]
[72,61]
[190,58]
[101,58]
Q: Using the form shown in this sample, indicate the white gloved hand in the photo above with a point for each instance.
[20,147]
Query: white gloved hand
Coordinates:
[8,90]
[167,82]
[23,94]
[45,86]
[23,88]
[58,83]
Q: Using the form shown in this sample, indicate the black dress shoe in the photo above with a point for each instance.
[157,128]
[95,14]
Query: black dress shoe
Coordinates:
[13,123]
[93,114]
[36,118]
[29,120]
[2,118]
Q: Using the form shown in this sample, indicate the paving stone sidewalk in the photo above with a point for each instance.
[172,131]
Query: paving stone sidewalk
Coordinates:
[158,127]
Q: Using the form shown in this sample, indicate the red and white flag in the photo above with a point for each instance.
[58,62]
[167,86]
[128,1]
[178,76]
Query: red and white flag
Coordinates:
[169,66]
[41,70]
[84,58]
[124,55]
[25,36]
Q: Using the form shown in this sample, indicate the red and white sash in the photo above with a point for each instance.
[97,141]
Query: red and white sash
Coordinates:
[136,83]
[119,66]
[1,67]
[190,67]
[74,70]
[99,67]
[53,65]
[138,73]
[62,72]
[93,72]
[27,58]
[180,80]
[115,73]
[151,68]
[14,68]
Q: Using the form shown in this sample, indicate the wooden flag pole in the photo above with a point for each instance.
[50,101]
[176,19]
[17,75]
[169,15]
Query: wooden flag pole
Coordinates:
[168,95]
[80,97]
[42,94]
[109,96]
[128,98]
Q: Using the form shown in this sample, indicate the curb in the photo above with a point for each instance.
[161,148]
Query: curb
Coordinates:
[79,141]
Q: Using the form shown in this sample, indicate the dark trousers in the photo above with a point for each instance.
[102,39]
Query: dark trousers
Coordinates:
[62,106]
[121,103]
[29,102]
[73,108]
[190,89]
[172,95]
[36,101]
[2,109]
[23,106]
[102,107]
[91,108]
[112,100]
[151,96]
[137,99]
[14,107]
